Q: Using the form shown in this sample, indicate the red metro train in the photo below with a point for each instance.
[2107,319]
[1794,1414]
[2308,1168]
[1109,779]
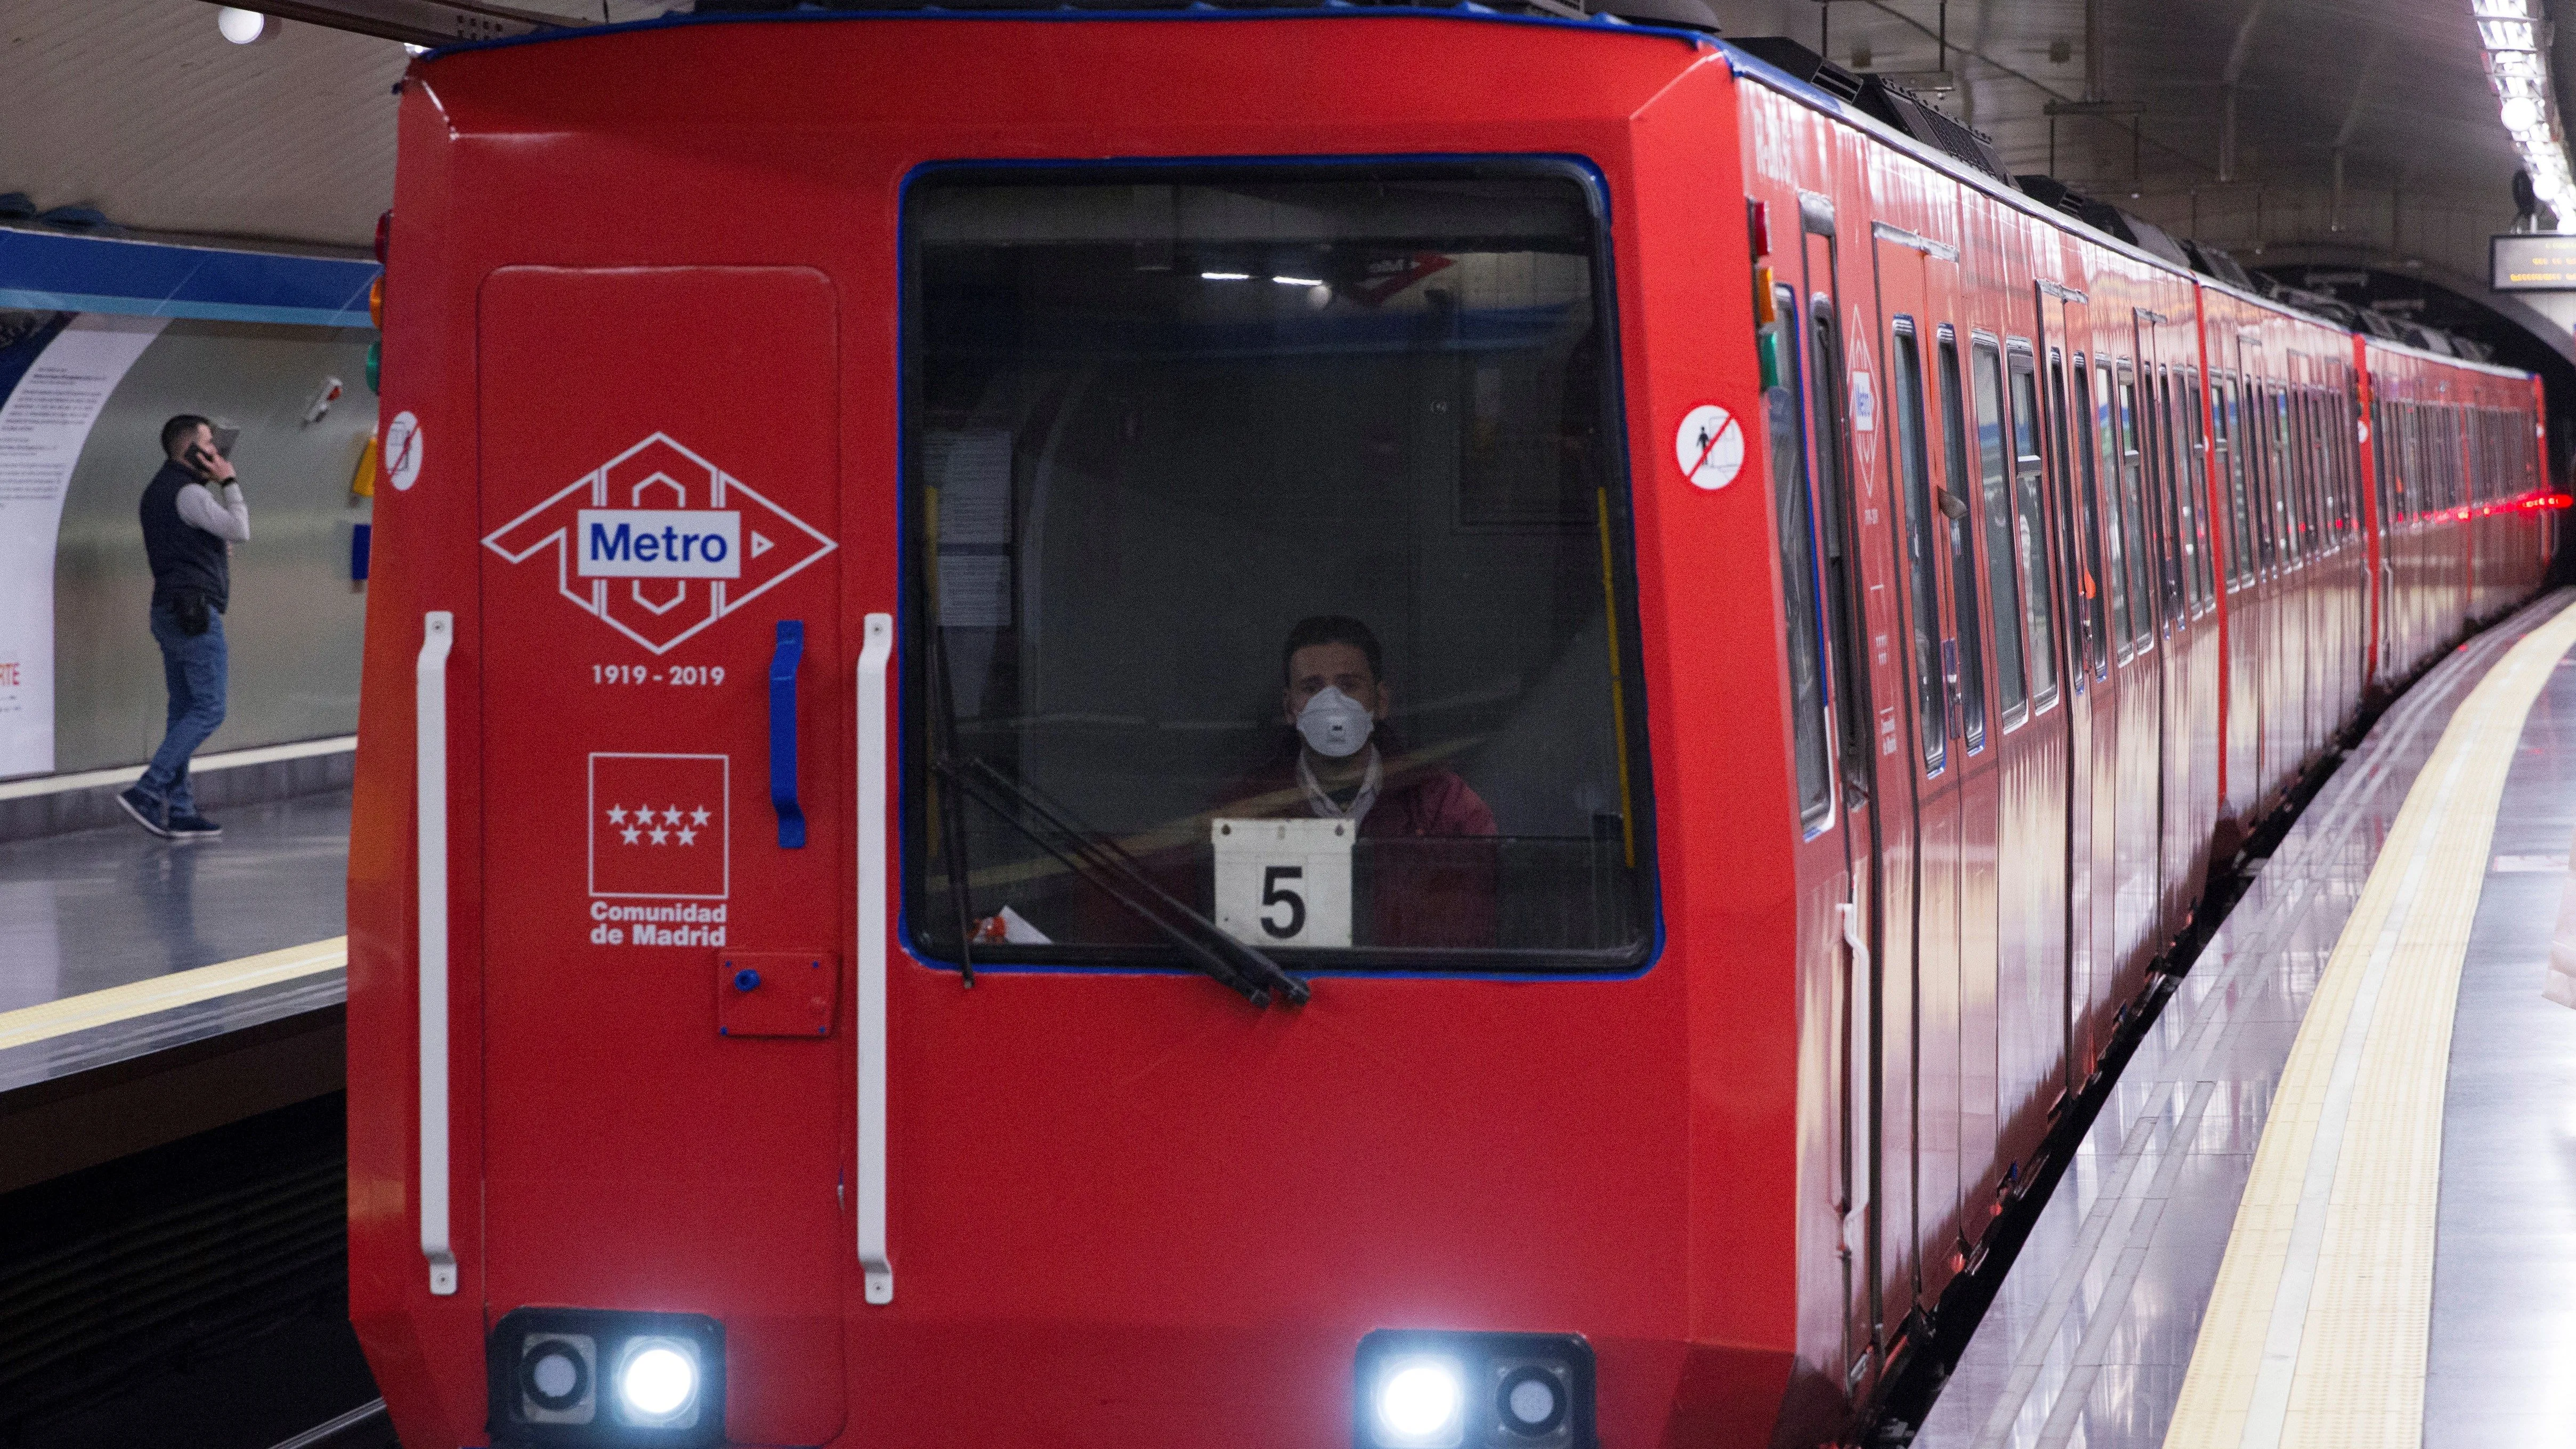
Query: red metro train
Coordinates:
[1451,725]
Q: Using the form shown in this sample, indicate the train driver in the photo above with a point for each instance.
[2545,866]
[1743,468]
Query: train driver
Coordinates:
[1341,762]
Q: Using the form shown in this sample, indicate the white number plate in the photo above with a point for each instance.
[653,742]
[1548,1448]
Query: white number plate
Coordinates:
[1284,882]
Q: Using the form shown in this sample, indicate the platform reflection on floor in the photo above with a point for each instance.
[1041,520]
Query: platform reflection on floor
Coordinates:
[2090,1338]
[108,908]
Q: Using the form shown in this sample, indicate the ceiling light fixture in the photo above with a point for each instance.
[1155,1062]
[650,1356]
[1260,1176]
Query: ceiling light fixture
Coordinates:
[2514,39]
[245,27]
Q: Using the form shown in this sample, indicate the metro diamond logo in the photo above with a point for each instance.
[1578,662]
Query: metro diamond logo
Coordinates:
[659,543]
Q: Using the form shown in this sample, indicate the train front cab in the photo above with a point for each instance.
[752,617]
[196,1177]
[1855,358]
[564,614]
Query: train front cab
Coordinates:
[810,581]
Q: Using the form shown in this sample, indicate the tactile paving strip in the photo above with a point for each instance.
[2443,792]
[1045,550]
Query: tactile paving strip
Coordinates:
[2317,1327]
[161,993]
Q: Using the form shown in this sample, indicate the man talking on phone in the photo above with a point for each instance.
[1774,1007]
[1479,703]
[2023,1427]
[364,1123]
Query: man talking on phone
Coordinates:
[193,514]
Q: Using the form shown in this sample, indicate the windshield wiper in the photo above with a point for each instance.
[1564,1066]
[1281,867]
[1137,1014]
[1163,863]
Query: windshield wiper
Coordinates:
[952,819]
[1107,865]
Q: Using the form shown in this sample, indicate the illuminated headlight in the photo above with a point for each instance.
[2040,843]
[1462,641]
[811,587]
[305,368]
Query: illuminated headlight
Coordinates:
[1429,1390]
[580,1376]
[1419,1403]
[657,1382]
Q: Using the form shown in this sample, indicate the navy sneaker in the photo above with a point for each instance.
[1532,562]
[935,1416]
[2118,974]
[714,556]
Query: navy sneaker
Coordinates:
[147,812]
[194,827]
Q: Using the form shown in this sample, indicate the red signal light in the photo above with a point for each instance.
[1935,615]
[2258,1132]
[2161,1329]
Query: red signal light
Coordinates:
[384,236]
[1757,221]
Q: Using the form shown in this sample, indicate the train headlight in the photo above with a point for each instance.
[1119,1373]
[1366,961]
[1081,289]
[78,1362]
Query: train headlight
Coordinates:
[1430,1390]
[657,1383]
[1419,1403]
[586,1376]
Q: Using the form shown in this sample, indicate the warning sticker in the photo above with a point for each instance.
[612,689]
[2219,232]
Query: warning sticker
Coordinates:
[1709,446]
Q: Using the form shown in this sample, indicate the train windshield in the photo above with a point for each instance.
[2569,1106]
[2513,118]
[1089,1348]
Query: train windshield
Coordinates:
[1269,569]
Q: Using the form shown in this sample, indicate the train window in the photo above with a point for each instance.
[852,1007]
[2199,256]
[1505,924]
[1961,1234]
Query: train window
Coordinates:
[2303,472]
[2030,530]
[2383,460]
[2454,451]
[2346,461]
[2285,474]
[2230,462]
[1825,404]
[1269,492]
[1931,711]
[1963,552]
[2397,444]
[2090,581]
[1785,429]
[2173,497]
[2195,493]
[2106,432]
[2258,473]
[2071,573]
[2416,482]
[2133,516]
[1994,477]
[2329,477]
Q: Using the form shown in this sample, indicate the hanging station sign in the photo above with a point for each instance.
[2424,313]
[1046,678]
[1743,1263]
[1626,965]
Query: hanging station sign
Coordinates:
[2532,261]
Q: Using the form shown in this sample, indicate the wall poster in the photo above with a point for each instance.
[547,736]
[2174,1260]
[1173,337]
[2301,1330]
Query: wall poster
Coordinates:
[56,371]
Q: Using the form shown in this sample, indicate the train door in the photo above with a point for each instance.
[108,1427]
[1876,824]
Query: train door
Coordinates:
[664,863]
[2244,723]
[2263,464]
[2375,463]
[2138,832]
[2079,568]
[1947,1041]
[2096,415]
[1855,515]
[1923,514]
[2031,967]
[2177,631]
[1821,571]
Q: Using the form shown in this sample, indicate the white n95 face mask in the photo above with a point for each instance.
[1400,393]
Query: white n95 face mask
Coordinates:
[1334,724]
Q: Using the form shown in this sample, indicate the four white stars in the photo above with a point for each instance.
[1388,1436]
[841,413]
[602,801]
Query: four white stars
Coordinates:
[670,817]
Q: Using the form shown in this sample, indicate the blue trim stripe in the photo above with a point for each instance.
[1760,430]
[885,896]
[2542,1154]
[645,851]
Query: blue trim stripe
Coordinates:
[45,271]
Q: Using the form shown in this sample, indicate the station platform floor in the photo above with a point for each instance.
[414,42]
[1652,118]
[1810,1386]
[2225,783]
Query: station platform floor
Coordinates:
[2332,1199]
[152,989]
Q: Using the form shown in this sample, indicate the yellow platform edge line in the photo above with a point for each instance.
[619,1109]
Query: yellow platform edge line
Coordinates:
[161,993]
[2354,1368]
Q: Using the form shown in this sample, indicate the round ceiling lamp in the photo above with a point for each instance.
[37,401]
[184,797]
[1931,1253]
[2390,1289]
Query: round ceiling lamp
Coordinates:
[245,27]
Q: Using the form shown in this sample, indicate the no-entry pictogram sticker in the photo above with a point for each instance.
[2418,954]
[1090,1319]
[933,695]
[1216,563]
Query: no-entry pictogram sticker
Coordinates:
[1709,445]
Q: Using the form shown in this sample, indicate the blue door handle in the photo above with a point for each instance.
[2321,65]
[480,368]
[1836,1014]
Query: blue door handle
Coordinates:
[782,733]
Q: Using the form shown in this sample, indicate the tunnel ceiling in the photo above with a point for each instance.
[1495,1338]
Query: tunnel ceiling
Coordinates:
[2397,88]
[138,108]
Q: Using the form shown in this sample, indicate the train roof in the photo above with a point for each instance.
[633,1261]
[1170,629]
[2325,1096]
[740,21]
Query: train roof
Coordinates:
[1549,14]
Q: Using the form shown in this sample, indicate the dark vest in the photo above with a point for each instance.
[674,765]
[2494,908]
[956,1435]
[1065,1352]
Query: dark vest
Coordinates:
[185,558]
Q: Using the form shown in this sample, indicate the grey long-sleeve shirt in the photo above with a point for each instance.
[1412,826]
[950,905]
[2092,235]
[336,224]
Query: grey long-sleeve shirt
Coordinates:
[228,520]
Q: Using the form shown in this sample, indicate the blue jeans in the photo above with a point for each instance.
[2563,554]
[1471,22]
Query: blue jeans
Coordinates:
[194,669]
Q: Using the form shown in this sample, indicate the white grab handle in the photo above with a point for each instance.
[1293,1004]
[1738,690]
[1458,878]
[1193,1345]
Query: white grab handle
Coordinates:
[874,654]
[1856,1068]
[430,752]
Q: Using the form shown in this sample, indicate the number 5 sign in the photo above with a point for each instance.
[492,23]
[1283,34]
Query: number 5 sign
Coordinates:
[1283,882]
